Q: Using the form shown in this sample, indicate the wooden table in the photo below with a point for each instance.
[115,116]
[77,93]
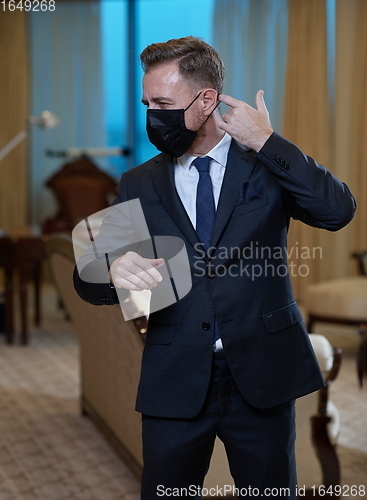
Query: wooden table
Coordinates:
[21,256]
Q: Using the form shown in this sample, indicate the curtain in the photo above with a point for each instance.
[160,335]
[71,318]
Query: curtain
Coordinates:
[13,111]
[346,44]
[251,37]
[359,130]
[306,123]
[66,63]
[338,143]
[249,34]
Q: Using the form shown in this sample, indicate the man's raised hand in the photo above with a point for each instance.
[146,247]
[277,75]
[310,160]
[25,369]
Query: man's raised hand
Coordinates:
[249,126]
[133,272]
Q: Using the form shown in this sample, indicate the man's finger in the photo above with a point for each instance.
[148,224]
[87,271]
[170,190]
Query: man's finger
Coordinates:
[260,102]
[136,271]
[150,265]
[157,262]
[129,284]
[137,276]
[227,99]
[224,126]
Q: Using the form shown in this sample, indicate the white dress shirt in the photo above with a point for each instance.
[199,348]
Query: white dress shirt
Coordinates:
[187,178]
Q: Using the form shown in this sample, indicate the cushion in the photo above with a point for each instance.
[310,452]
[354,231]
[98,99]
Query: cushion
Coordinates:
[323,350]
[343,298]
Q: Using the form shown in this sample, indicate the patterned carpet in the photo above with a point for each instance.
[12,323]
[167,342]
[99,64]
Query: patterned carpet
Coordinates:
[49,451]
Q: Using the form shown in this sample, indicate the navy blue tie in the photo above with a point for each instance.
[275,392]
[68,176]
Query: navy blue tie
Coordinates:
[205,206]
[205,211]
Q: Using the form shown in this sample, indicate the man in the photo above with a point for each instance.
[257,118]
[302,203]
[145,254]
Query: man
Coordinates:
[229,358]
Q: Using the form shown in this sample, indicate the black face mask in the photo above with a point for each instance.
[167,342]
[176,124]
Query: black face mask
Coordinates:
[167,131]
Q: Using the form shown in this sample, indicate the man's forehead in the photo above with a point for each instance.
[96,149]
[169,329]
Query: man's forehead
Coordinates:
[163,74]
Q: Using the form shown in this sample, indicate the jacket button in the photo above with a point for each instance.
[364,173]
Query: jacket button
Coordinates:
[211,275]
[206,325]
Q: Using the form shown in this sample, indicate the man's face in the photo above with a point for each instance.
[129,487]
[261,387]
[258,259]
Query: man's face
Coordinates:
[165,88]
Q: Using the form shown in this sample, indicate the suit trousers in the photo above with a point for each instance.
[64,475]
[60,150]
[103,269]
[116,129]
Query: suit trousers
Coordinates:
[259,444]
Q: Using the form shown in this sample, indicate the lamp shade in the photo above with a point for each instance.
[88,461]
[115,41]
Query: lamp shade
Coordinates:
[45,120]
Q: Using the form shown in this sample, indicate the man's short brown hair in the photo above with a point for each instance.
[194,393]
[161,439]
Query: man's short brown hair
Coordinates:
[197,60]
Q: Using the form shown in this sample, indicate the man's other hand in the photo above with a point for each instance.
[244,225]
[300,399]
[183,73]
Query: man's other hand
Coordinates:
[250,127]
[133,272]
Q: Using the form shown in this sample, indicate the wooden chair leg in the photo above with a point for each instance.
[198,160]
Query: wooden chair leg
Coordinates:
[9,307]
[37,306]
[310,323]
[23,307]
[325,451]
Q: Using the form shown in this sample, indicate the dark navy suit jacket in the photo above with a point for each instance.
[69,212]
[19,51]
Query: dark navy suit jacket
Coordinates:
[263,334]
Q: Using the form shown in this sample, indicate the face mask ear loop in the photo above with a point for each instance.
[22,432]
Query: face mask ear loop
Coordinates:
[193,101]
[207,118]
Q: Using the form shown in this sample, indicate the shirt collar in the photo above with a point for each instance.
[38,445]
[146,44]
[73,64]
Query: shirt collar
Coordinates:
[219,153]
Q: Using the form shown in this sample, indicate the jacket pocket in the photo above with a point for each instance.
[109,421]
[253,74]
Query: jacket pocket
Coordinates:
[252,205]
[282,318]
[159,335]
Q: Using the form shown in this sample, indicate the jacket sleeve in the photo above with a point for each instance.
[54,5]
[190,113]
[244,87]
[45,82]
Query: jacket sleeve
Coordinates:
[96,293]
[312,194]
[104,237]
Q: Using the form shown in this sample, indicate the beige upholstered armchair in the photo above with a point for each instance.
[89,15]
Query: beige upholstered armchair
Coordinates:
[341,301]
[110,354]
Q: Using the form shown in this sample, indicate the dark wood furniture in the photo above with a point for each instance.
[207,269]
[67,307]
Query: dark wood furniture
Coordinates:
[7,264]
[362,262]
[21,259]
[81,189]
[351,291]
[325,450]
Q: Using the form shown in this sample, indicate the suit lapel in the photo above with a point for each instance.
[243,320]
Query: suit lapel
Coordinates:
[162,174]
[240,164]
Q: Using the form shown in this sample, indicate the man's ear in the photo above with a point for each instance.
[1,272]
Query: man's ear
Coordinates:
[210,98]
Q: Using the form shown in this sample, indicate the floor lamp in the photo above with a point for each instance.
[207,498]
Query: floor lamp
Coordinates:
[44,120]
